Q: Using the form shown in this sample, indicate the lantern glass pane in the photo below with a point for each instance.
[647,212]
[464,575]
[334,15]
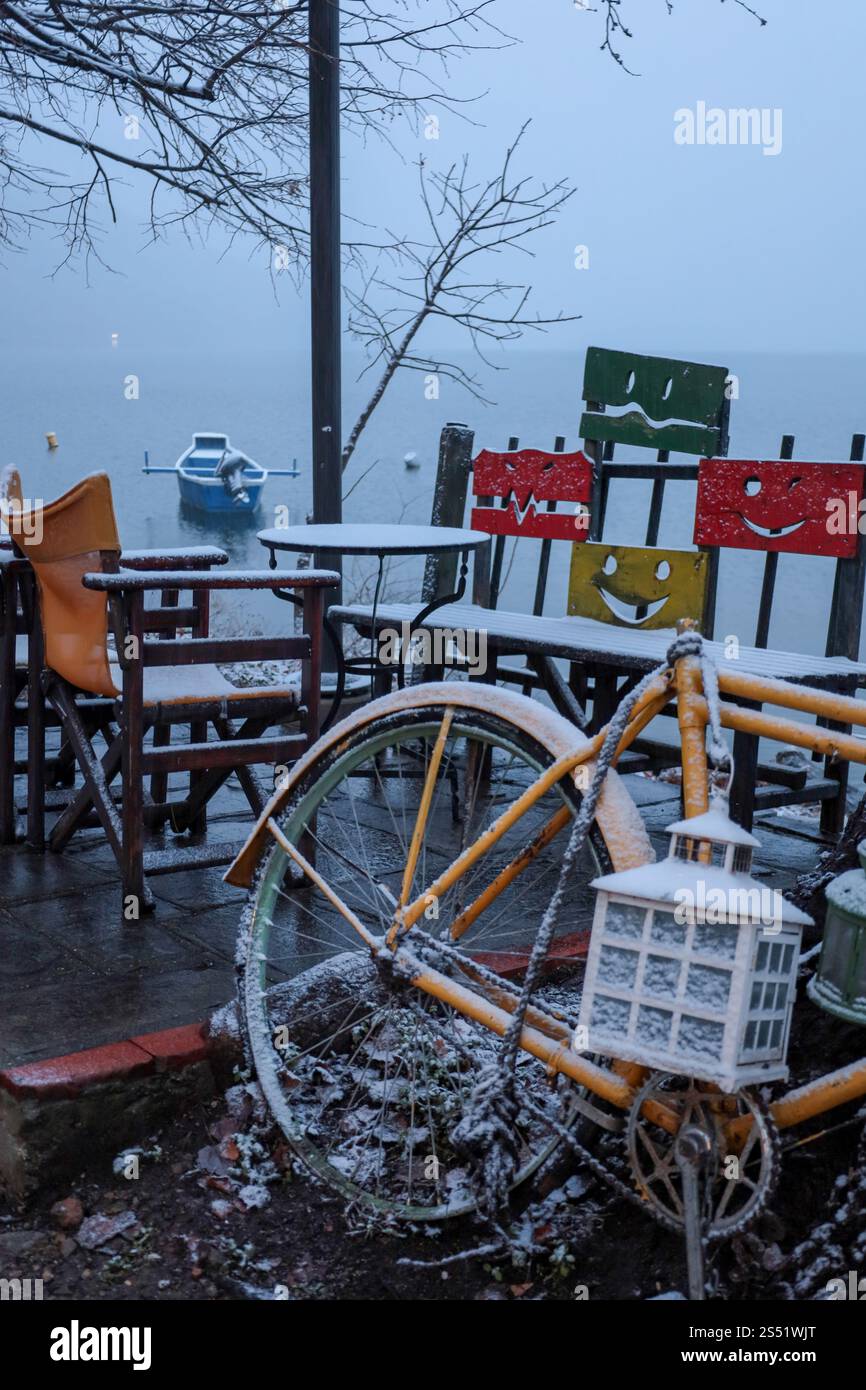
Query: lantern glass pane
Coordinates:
[701,1037]
[653,1026]
[610,1015]
[716,939]
[769,1000]
[661,976]
[624,919]
[617,966]
[709,987]
[665,929]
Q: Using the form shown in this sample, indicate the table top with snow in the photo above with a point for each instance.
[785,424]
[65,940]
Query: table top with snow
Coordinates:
[372,538]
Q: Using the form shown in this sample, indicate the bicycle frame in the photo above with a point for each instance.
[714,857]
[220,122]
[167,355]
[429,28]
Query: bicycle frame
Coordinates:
[545,1036]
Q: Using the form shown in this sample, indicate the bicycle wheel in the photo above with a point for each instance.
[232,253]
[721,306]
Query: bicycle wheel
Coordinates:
[366,1076]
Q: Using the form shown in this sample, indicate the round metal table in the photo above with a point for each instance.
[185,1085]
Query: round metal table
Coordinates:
[380,539]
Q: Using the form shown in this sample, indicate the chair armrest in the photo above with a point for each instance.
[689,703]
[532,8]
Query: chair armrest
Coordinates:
[225,579]
[184,557]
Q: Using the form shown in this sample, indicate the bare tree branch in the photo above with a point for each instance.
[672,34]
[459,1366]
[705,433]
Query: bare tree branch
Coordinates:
[466,220]
[614,23]
[207,99]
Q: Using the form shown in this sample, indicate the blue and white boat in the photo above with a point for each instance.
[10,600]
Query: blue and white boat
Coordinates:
[215,477]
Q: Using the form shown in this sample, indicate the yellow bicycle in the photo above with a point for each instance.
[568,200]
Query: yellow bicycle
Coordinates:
[393,880]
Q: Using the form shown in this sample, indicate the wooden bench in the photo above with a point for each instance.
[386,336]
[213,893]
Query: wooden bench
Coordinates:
[670,405]
[773,506]
[692,403]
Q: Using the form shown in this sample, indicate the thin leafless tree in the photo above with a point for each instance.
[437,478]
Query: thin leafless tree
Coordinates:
[448,276]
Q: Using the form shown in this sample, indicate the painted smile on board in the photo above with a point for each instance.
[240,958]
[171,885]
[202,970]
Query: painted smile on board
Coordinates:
[626,612]
[768,533]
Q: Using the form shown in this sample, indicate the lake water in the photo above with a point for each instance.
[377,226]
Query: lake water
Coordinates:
[263,404]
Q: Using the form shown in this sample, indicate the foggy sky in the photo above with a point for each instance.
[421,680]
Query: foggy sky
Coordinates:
[691,248]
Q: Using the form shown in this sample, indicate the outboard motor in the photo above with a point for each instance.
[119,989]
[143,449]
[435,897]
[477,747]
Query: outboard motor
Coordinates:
[230,471]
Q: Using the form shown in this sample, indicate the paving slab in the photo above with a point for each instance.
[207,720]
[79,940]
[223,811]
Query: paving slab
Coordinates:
[73,976]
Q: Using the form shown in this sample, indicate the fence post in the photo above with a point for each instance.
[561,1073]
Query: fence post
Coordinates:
[449,505]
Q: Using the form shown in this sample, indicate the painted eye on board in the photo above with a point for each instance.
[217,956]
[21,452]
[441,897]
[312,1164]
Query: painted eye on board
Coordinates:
[794,483]
[752,486]
[609,566]
[662,570]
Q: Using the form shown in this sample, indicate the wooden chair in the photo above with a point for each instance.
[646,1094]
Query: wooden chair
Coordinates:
[784,506]
[19,618]
[74,551]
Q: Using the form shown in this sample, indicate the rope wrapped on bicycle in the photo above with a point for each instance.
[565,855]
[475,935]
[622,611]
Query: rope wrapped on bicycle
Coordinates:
[485,1136]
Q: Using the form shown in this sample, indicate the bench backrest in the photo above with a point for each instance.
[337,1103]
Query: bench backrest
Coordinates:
[510,486]
[509,489]
[790,506]
[678,406]
[660,403]
[639,587]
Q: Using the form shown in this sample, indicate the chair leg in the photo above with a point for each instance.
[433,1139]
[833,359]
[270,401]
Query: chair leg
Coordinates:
[95,791]
[246,776]
[605,697]
[198,825]
[35,746]
[136,899]
[159,780]
[65,825]
[833,811]
[7,713]
[63,772]
[184,814]
[745,778]
[560,692]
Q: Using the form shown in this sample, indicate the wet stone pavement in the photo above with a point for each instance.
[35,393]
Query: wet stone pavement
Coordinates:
[73,975]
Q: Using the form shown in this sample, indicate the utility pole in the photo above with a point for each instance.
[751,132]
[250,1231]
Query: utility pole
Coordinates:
[325,307]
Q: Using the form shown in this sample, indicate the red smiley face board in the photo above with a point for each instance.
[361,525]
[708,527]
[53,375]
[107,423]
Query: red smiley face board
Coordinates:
[779,505]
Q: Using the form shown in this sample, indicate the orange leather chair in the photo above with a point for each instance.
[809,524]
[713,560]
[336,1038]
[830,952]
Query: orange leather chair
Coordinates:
[83,594]
[21,656]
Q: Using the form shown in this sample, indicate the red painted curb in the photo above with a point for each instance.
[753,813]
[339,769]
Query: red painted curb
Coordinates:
[67,1076]
[175,1047]
[565,950]
[57,1077]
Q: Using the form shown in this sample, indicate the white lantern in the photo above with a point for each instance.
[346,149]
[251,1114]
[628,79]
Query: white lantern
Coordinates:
[692,963]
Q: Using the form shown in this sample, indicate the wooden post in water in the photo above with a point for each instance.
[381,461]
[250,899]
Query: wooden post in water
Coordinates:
[325,320]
